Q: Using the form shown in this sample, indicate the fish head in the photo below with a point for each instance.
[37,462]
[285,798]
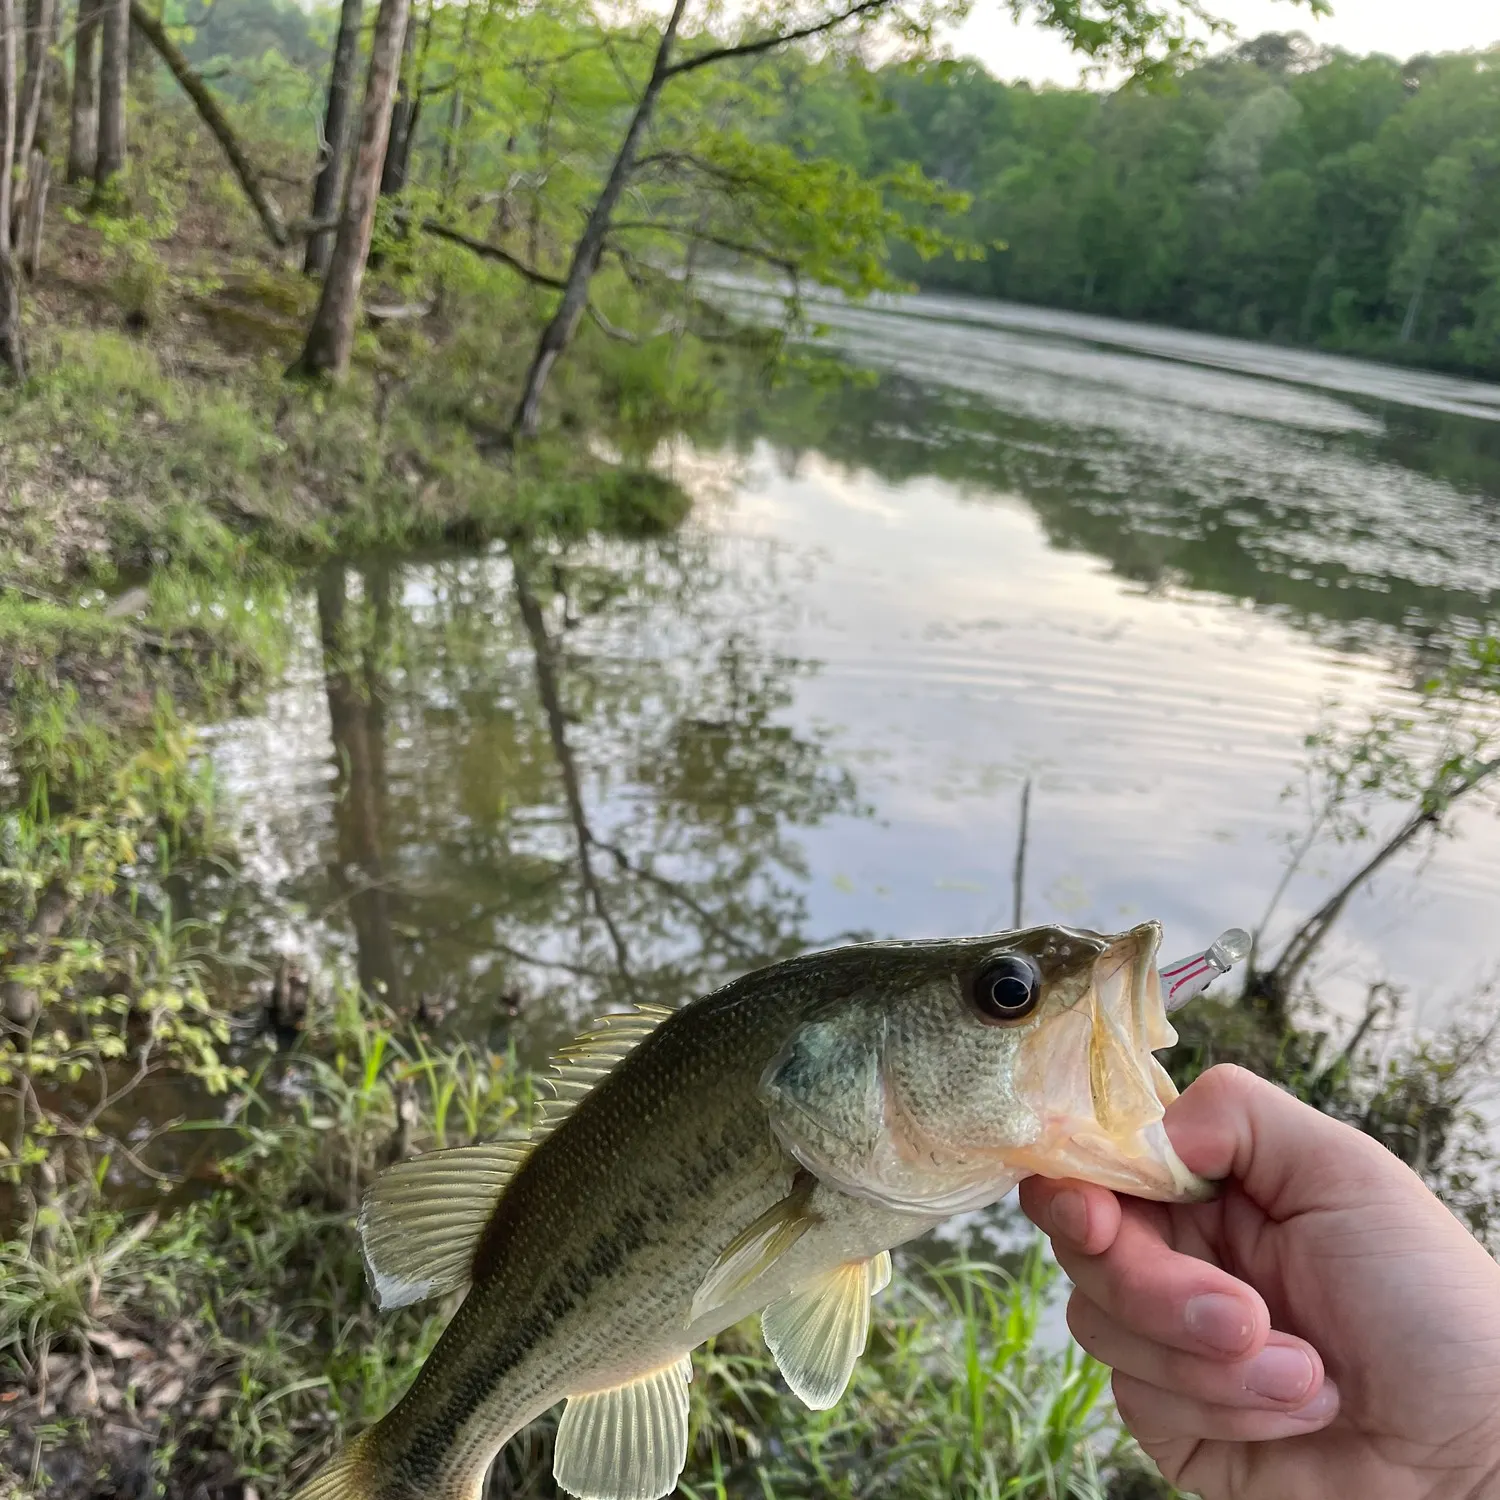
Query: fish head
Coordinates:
[936,1075]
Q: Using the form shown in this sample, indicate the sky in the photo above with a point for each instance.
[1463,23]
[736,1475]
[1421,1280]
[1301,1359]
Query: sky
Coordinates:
[1399,27]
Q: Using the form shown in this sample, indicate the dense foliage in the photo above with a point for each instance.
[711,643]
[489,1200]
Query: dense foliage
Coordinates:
[1280,191]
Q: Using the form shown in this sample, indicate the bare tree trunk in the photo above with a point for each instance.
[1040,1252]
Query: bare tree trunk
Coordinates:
[12,353]
[325,199]
[38,66]
[558,334]
[1414,303]
[403,118]
[7,112]
[113,66]
[330,339]
[138,65]
[54,83]
[83,127]
[34,99]
[29,227]
[451,166]
[193,86]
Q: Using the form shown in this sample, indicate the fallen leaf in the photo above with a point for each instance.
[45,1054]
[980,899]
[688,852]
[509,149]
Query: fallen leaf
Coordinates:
[114,1344]
[170,1394]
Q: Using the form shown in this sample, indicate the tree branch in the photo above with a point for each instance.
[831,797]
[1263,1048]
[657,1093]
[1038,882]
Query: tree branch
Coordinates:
[753,252]
[780,39]
[1277,982]
[194,87]
[625,336]
[491,252]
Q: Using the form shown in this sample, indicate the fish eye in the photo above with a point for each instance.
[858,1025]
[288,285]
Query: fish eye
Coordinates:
[1006,988]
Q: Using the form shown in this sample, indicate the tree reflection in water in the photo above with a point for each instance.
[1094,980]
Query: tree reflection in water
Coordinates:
[565,779]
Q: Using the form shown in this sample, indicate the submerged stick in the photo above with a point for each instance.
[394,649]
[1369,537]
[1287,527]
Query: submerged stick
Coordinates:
[1018,879]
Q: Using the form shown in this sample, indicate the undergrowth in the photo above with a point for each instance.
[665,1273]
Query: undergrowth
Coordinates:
[228,1338]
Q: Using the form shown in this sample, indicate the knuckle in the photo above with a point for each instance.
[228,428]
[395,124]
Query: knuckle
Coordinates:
[1231,1081]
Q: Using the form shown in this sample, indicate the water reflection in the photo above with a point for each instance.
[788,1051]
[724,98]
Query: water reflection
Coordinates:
[522,786]
[561,779]
[354,679]
[1355,535]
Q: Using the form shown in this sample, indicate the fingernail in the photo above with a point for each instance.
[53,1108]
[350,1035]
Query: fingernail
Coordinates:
[1221,1321]
[1279,1373]
[1070,1216]
[1321,1407]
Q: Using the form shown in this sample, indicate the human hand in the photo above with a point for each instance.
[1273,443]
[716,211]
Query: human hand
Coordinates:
[1324,1328]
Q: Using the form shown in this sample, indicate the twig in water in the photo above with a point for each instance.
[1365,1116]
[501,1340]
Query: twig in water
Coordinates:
[1018,879]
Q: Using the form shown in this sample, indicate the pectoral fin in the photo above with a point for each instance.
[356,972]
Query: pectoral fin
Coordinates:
[628,1442]
[752,1252]
[816,1334]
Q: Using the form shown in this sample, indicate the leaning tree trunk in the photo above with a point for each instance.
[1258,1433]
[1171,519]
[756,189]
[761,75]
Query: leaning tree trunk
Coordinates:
[330,339]
[83,126]
[325,202]
[12,354]
[113,70]
[38,67]
[151,30]
[558,334]
[39,167]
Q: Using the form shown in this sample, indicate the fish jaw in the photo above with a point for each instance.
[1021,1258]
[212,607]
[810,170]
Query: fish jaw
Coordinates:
[1097,1090]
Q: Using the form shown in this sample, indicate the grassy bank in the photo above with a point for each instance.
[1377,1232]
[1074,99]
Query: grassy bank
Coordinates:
[162,486]
[178,1351]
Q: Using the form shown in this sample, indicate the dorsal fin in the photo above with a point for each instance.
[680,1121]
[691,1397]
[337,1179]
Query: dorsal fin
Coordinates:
[421,1219]
[579,1066]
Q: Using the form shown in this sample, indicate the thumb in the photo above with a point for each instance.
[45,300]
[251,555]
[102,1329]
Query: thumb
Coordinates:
[1287,1157]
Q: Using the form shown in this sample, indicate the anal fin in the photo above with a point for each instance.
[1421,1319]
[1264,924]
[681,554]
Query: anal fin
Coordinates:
[816,1333]
[628,1442]
[756,1247]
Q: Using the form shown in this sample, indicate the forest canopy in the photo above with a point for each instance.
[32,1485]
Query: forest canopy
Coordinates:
[1278,190]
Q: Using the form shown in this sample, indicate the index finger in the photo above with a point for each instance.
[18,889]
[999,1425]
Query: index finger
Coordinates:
[1156,1291]
[1076,1213]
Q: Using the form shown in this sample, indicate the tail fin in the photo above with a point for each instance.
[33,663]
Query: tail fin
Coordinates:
[351,1475]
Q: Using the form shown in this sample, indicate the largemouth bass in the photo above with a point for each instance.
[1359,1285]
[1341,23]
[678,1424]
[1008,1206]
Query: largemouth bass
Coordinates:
[760,1150]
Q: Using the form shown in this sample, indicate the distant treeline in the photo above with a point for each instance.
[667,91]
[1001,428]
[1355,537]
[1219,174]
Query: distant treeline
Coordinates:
[1282,191]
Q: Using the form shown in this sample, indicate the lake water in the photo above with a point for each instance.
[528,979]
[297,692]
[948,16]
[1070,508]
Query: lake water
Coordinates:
[1131,566]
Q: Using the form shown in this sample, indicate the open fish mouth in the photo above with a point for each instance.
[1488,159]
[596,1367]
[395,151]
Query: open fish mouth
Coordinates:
[1100,1094]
